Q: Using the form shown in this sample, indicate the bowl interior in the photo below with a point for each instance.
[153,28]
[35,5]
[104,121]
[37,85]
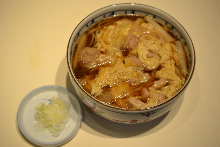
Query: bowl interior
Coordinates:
[136,10]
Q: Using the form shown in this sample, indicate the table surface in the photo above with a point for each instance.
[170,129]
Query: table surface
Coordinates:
[33,43]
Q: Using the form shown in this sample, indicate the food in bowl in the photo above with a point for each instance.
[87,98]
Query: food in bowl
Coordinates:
[130,62]
[136,110]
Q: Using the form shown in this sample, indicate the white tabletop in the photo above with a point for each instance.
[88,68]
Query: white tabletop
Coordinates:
[33,44]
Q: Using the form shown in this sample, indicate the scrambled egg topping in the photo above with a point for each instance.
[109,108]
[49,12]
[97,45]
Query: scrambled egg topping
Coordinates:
[150,51]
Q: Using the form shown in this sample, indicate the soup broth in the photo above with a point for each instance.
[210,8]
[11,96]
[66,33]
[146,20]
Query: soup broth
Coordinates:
[130,62]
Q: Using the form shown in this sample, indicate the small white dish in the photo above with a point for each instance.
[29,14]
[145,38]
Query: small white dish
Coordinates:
[26,120]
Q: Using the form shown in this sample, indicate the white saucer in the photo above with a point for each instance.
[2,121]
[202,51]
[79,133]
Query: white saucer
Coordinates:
[26,120]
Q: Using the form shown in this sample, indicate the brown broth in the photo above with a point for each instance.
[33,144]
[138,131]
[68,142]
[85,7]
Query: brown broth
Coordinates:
[81,71]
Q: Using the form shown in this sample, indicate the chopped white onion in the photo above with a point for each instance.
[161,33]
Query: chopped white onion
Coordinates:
[163,32]
[182,57]
[53,116]
[133,28]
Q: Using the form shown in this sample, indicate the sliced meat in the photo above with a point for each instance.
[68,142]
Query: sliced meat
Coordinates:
[161,98]
[133,43]
[136,103]
[89,56]
[160,83]
[144,94]
[135,60]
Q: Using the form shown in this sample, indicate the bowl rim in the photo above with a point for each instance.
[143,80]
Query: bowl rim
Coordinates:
[157,106]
